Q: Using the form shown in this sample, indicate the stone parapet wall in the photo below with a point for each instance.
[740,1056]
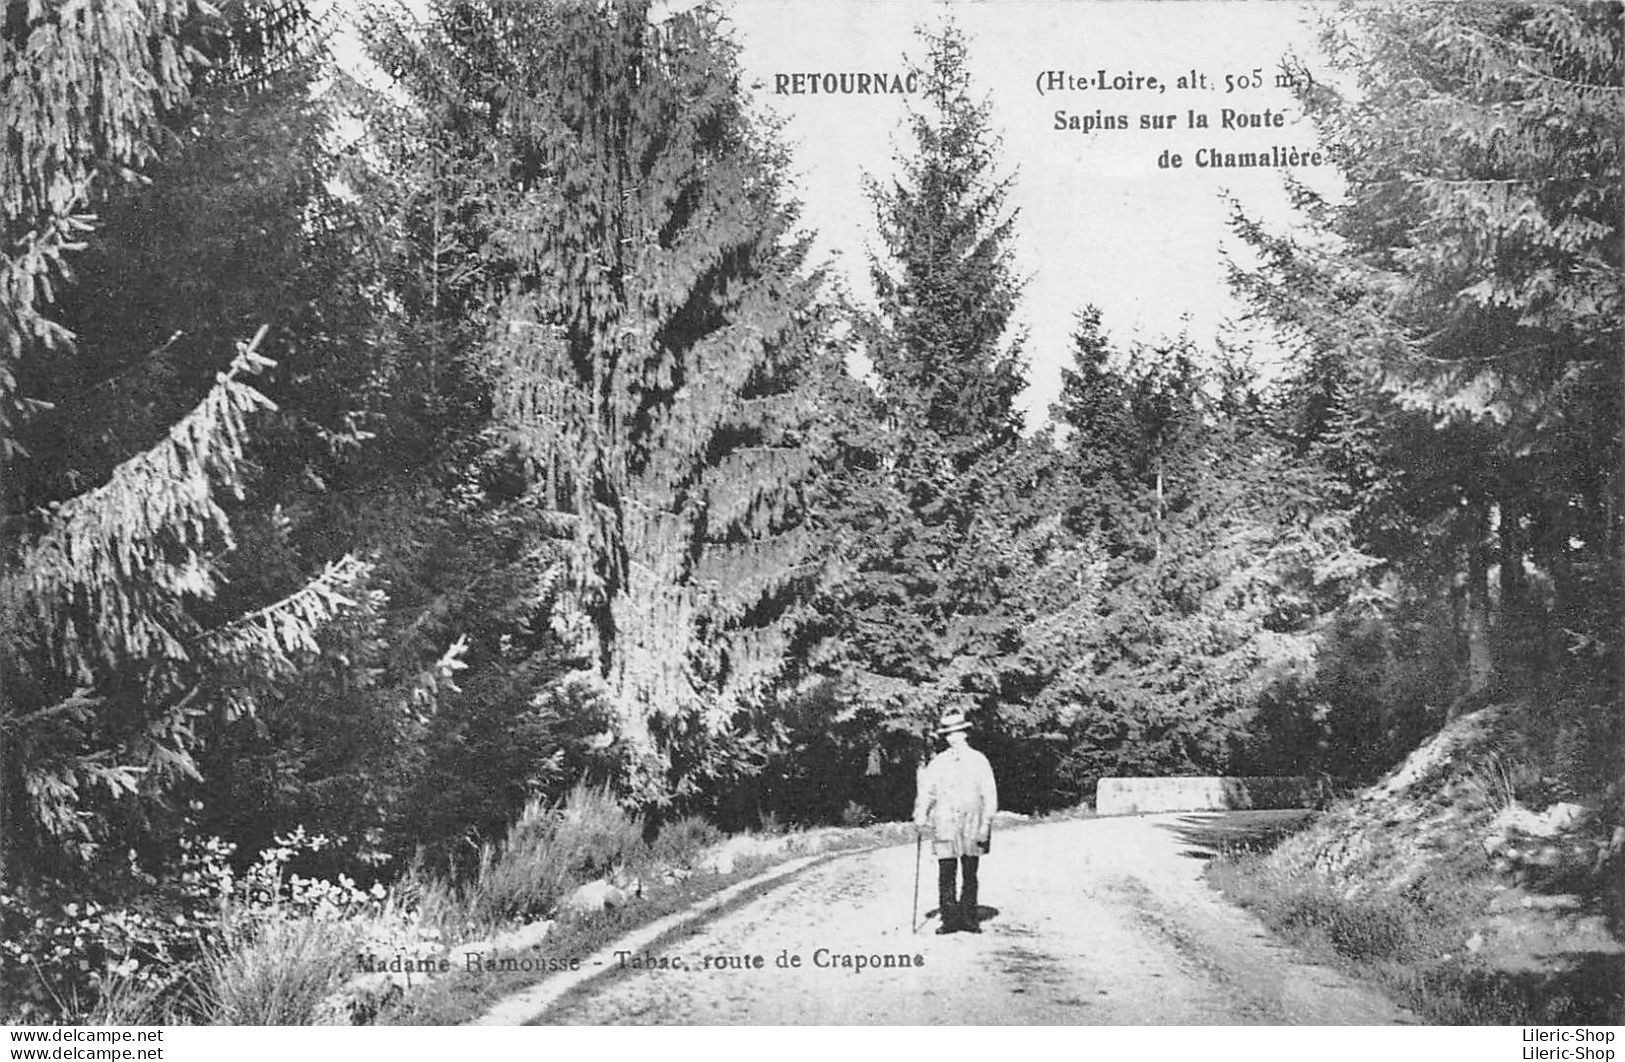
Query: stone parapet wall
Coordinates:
[1138,796]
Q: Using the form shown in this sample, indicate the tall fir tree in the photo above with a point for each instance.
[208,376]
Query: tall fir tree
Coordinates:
[655,353]
[945,277]
[1461,331]
[927,473]
[118,642]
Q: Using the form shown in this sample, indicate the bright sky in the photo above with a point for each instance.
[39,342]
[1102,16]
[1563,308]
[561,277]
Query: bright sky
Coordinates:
[1100,222]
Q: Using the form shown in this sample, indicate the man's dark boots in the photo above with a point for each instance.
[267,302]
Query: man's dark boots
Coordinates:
[951,921]
[947,906]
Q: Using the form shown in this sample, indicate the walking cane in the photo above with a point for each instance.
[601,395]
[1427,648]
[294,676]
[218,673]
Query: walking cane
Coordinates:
[919,840]
[914,915]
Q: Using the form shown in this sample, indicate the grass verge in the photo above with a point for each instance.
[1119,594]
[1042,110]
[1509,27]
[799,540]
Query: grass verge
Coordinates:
[1409,943]
[461,996]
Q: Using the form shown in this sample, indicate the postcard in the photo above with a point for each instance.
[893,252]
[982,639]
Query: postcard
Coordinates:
[831,513]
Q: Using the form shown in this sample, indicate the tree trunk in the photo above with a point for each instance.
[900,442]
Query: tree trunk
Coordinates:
[1476,617]
[6,834]
[1518,626]
[1158,553]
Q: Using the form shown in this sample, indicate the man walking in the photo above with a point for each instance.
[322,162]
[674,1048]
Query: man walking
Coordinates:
[955,807]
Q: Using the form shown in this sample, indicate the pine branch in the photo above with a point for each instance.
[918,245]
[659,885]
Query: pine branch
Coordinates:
[141,536]
[281,630]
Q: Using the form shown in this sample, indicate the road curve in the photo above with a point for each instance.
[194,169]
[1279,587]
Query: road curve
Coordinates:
[1093,922]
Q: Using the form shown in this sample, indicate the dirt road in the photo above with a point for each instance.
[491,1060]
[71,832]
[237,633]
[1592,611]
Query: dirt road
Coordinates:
[1102,921]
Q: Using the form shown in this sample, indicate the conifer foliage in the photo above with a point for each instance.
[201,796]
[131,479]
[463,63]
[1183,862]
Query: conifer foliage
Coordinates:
[924,499]
[651,355]
[1210,561]
[1461,331]
[62,141]
[113,643]
[944,276]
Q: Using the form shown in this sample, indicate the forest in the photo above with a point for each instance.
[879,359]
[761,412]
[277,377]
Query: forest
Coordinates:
[387,458]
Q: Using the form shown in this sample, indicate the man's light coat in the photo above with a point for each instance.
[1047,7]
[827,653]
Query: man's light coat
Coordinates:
[957,801]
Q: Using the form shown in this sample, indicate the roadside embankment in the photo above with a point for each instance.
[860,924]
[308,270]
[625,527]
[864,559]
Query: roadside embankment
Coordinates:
[1458,883]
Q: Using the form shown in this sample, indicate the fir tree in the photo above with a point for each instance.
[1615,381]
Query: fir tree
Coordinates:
[61,142]
[1461,333]
[945,277]
[926,502]
[115,638]
[652,351]
[1201,563]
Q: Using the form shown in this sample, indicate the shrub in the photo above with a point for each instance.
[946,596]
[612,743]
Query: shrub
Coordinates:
[275,971]
[72,962]
[284,941]
[437,905]
[1359,928]
[136,949]
[550,850]
[855,814]
[1493,781]
[595,834]
[121,946]
[679,843]
[137,998]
